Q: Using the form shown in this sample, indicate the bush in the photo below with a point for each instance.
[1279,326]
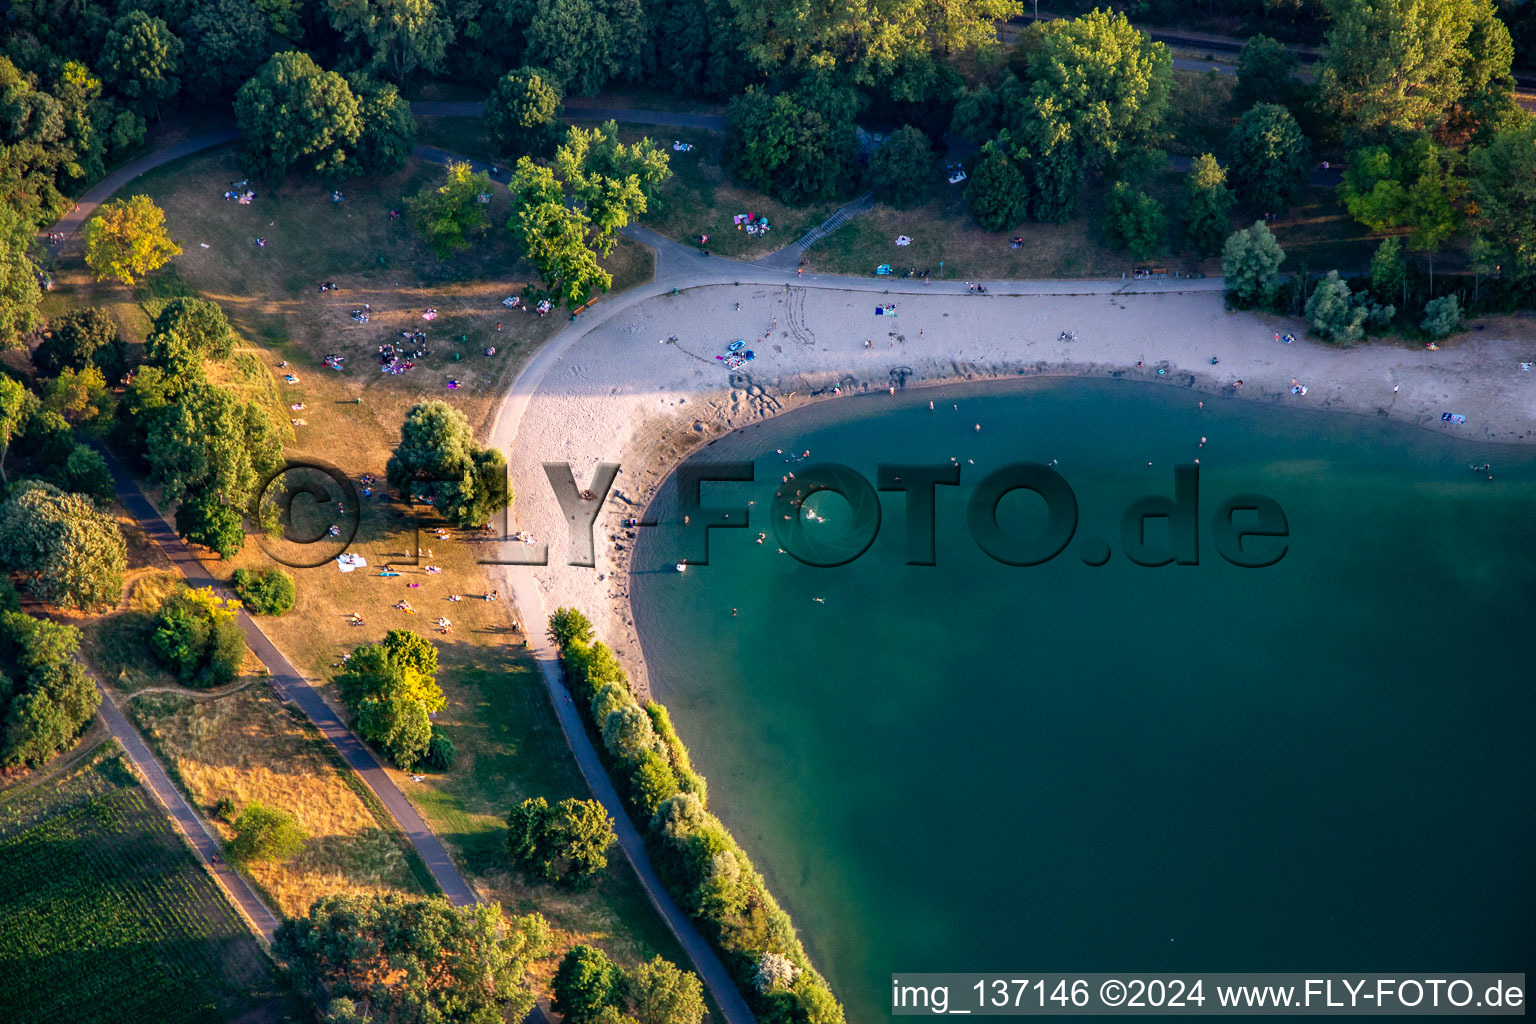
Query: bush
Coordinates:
[1442,316]
[265,591]
[225,810]
[441,753]
[196,634]
[266,833]
[901,170]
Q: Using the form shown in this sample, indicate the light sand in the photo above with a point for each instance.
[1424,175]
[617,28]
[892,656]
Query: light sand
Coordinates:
[619,391]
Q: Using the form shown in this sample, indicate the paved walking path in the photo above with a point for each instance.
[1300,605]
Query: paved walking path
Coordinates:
[579,110]
[291,685]
[202,841]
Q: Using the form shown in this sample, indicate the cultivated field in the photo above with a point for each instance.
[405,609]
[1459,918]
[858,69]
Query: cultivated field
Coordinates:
[106,916]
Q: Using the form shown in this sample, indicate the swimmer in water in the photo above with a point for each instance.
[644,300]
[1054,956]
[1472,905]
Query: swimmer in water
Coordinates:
[930,405]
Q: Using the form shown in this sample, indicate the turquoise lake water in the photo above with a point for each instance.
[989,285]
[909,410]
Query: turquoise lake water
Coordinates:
[1323,765]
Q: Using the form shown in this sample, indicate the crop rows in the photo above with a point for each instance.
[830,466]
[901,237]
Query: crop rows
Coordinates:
[105,915]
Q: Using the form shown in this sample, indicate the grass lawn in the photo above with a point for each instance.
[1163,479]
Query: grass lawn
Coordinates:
[509,742]
[105,916]
[942,232]
[699,198]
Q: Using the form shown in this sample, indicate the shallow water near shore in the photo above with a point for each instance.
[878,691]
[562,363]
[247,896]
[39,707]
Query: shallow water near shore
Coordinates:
[1322,765]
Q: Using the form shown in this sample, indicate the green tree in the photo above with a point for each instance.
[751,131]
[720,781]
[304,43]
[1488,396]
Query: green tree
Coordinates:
[569,627]
[1433,205]
[437,459]
[80,397]
[1270,158]
[1266,70]
[226,41]
[386,129]
[901,170]
[69,553]
[612,182]
[1333,314]
[196,633]
[1442,316]
[1135,221]
[46,698]
[85,472]
[400,35]
[568,842]
[199,323]
[1503,183]
[1250,262]
[997,194]
[449,213]
[414,961]
[1393,68]
[373,671]
[212,445]
[574,40]
[294,113]
[204,519]
[627,732]
[1480,256]
[1092,90]
[780,145]
[1207,206]
[1389,272]
[142,58]
[587,982]
[82,337]
[520,113]
[19,290]
[553,236]
[265,591]
[662,994]
[398,723]
[265,833]
[651,781]
[128,239]
[17,405]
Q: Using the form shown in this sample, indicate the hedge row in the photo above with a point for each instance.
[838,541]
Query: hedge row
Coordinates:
[700,861]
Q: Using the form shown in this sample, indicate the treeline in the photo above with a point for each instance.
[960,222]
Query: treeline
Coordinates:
[707,871]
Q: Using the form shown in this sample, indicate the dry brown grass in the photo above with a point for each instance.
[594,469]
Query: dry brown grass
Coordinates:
[245,747]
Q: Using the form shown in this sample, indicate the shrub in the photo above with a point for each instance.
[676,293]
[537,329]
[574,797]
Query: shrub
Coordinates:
[266,833]
[1442,316]
[265,591]
[196,634]
[225,810]
[441,753]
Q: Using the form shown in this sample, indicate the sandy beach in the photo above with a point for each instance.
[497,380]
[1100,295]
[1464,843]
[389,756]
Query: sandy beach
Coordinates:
[642,386]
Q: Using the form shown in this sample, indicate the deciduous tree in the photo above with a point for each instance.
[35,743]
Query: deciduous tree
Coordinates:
[1270,158]
[1266,71]
[662,994]
[386,129]
[568,842]
[19,291]
[414,961]
[521,110]
[46,698]
[997,193]
[1135,221]
[568,627]
[1250,262]
[128,239]
[69,553]
[782,146]
[438,459]
[1207,206]
[87,336]
[401,36]
[265,833]
[586,983]
[292,113]
[902,169]
[448,214]
[142,58]
[1503,183]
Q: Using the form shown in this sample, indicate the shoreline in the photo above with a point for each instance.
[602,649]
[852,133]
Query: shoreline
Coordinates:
[641,388]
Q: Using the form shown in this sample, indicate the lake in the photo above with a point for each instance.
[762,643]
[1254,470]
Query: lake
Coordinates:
[1325,764]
